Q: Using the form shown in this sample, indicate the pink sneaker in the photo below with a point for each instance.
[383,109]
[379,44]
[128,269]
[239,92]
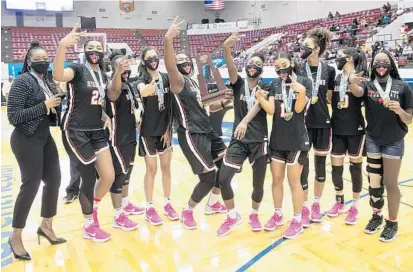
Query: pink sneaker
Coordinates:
[169,211]
[315,213]
[293,230]
[94,232]
[336,209]
[255,222]
[305,217]
[275,221]
[123,222]
[225,228]
[187,218]
[216,208]
[133,209]
[152,217]
[352,214]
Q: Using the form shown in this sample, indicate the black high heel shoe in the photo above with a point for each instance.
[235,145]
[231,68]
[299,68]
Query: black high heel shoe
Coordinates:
[24,257]
[40,232]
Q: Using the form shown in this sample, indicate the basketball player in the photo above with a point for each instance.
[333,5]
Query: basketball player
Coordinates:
[155,132]
[84,135]
[347,123]
[289,142]
[317,118]
[389,108]
[202,147]
[120,106]
[249,138]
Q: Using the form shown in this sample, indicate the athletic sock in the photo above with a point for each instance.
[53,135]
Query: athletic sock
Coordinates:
[232,213]
[254,211]
[377,211]
[305,204]
[213,198]
[88,221]
[149,204]
[279,211]
[355,203]
[316,199]
[125,202]
[118,212]
[297,217]
[167,200]
[392,219]
[96,202]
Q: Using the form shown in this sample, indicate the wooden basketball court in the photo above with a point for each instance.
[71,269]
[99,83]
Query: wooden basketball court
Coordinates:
[329,246]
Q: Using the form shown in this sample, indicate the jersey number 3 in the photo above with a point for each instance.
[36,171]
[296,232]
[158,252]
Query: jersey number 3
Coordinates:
[95,98]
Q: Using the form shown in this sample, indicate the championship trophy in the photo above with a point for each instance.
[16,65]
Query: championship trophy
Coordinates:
[210,82]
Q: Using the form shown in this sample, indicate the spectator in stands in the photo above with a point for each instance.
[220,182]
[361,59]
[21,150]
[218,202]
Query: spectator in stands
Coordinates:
[337,15]
[355,22]
[330,15]
[387,7]
[385,20]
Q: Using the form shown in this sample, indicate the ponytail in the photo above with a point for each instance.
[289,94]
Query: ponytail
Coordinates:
[142,70]
[359,59]
[321,37]
[288,56]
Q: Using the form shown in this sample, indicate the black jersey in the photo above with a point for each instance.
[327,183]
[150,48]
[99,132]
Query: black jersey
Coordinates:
[122,113]
[348,120]
[188,111]
[317,114]
[155,118]
[84,101]
[383,125]
[289,135]
[257,129]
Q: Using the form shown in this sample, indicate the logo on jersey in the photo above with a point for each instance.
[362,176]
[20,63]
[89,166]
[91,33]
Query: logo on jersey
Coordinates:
[375,96]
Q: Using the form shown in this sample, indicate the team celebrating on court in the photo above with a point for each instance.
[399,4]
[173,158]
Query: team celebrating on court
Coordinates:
[99,134]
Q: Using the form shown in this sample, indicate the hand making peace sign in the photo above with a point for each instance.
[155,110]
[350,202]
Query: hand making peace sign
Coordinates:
[73,37]
[233,39]
[174,29]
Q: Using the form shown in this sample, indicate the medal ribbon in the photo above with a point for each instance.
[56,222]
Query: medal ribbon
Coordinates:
[343,86]
[384,94]
[99,83]
[250,96]
[160,91]
[315,84]
[287,99]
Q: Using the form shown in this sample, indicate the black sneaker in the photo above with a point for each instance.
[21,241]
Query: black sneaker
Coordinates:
[69,198]
[374,224]
[389,232]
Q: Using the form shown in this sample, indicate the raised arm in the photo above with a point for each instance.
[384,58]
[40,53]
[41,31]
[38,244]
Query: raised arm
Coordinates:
[59,72]
[266,103]
[175,77]
[355,80]
[115,85]
[232,70]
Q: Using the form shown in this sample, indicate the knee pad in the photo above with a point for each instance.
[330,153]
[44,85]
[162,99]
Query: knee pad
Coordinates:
[116,187]
[356,176]
[320,168]
[372,170]
[378,194]
[304,174]
[127,178]
[337,176]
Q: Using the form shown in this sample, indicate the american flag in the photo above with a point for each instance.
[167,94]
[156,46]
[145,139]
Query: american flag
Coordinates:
[214,4]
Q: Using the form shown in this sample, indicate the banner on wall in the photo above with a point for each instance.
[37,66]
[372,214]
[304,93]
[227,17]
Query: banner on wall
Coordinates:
[227,27]
[126,6]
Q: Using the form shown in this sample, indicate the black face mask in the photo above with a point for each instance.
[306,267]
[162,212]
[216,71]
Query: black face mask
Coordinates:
[94,57]
[125,76]
[378,66]
[149,63]
[182,66]
[340,62]
[258,70]
[40,67]
[305,52]
[288,71]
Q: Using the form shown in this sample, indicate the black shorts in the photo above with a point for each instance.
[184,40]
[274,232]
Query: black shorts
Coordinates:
[201,150]
[84,145]
[238,152]
[123,157]
[354,146]
[289,157]
[320,139]
[151,146]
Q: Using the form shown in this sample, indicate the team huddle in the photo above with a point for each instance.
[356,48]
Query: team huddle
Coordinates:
[99,131]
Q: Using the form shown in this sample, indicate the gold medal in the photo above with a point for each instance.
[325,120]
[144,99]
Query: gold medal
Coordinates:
[314,99]
[340,105]
[386,101]
[288,116]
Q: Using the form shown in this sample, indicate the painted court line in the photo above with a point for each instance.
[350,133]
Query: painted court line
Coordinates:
[266,250]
